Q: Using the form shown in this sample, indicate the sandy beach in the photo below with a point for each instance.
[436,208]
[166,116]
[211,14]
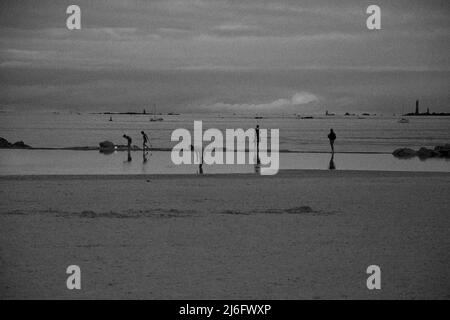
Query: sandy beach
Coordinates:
[296,235]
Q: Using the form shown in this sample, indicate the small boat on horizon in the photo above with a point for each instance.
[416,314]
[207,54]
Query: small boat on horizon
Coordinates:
[403,120]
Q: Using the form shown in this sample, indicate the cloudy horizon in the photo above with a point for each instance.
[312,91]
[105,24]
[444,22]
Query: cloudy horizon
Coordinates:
[217,55]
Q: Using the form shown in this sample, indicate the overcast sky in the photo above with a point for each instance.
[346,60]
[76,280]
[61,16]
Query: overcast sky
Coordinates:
[187,54]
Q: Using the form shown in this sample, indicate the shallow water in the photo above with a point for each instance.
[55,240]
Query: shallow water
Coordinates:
[354,134]
[49,162]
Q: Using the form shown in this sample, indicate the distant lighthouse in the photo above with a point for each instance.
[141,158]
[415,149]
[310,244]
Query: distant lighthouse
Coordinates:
[417,107]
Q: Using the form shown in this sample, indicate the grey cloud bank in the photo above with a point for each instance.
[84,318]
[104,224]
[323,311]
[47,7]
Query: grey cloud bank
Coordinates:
[189,54]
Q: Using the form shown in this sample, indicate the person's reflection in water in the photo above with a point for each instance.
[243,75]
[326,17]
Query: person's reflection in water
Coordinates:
[257,144]
[332,166]
[128,147]
[144,157]
[197,155]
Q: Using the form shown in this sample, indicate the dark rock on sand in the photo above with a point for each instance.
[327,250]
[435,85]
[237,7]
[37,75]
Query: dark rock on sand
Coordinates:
[20,145]
[426,153]
[5,144]
[107,147]
[404,153]
[443,150]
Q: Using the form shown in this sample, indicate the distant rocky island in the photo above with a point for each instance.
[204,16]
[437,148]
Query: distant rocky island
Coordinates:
[5,144]
[427,113]
[439,151]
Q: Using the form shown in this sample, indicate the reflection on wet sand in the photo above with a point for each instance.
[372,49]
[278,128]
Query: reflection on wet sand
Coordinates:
[39,162]
[331,165]
[144,156]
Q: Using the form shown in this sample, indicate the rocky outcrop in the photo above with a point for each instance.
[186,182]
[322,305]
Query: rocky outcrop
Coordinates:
[20,145]
[107,147]
[5,144]
[404,153]
[442,151]
[426,153]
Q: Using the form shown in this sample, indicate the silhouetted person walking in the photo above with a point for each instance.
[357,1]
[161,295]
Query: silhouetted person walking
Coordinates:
[145,140]
[128,145]
[332,137]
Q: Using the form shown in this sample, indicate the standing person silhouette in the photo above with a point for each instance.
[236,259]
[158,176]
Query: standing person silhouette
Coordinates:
[128,145]
[332,137]
[145,139]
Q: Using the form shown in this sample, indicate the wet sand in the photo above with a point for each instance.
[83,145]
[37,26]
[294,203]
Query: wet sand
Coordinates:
[296,235]
[69,162]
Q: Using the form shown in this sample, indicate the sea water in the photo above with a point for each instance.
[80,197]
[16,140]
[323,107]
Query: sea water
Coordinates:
[354,133]
[363,143]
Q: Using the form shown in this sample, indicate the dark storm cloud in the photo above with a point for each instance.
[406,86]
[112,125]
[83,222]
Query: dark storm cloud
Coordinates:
[119,36]
[211,33]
